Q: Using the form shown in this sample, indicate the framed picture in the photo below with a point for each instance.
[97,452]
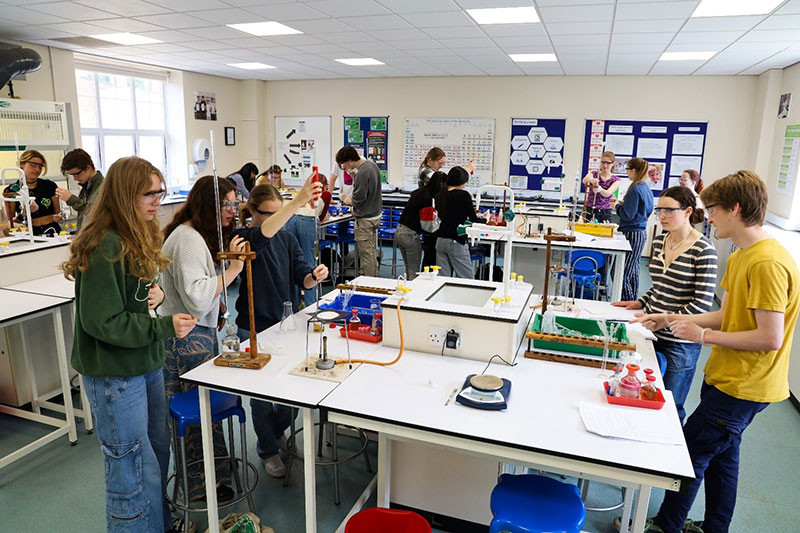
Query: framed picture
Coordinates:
[230,136]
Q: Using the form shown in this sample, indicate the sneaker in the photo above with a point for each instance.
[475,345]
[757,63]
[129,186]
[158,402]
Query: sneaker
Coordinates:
[177,526]
[274,466]
[691,526]
[224,494]
[283,443]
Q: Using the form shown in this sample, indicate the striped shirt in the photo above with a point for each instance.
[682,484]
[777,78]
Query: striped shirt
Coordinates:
[686,286]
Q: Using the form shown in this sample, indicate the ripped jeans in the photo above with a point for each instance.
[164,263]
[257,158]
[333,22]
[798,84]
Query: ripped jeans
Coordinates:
[131,423]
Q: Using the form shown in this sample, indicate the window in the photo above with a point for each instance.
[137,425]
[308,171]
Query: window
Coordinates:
[121,116]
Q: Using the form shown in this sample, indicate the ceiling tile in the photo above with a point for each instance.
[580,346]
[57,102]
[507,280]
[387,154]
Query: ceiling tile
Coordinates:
[126,25]
[168,36]
[71,11]
[548,3]
[474,42]
[348,8]
[513,30]
[599,40]
[541,69]
[439,19]
[75,28]
[286,12]
[426,53]
[189,5]
[641,38]
[419,6]
[792,7]
[655,10]
[577,13]
[125,8]
[590,49]
[224,16]
[571,28]
[165,48]
[378,22]
[291,40]
[370,48]
[396,35]
[625,48]
[779,60]
[707,36]
[477,4]
[646,26]
[780,22]
[455,33]
[580,66]
[415,44]
[675,68]
[321,26]
[722,23]
[496,69]
[506,42]
[625,69]
[755,48]
[206,44]
[26,16]
[175,21]
[29,33]
[787,36]
[217,32]
[249,42]
[694,47]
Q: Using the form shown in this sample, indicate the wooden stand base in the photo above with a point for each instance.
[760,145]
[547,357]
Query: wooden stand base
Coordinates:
[245,360]
[338,373]
[564,358]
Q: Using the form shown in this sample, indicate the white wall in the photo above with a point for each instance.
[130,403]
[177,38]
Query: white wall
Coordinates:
[726,102]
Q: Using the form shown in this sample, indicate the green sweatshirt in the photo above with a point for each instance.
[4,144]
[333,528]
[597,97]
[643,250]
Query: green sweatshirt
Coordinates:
[115,336]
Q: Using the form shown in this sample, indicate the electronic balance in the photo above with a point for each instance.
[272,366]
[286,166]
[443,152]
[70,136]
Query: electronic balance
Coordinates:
[485,392]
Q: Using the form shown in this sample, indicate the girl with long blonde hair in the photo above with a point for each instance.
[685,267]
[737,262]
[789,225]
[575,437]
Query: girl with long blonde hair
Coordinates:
[118,345]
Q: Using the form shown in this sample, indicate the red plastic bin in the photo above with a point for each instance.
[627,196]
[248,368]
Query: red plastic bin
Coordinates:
[378,519]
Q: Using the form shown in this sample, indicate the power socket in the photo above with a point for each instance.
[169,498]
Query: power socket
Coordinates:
[437,336]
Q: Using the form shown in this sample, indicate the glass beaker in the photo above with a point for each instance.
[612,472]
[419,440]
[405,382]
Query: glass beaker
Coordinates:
[287,319]
[230,343]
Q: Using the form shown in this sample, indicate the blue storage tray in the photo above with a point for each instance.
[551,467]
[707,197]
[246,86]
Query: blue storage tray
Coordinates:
[357,301]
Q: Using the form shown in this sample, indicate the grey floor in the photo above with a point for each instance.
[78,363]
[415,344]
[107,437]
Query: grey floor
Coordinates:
[60,487]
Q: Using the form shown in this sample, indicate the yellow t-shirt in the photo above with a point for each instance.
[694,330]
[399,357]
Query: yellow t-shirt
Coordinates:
[763,276]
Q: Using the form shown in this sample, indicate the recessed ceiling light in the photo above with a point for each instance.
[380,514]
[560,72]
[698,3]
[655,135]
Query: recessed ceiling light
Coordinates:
[360,61]
[262,29]
[125,38]
[530,58]
[685,56]
[250,66]
[504,15]
[732,8]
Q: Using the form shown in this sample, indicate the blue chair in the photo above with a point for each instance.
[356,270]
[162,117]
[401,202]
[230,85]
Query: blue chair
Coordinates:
[531,503]
[184,408]
[588,268]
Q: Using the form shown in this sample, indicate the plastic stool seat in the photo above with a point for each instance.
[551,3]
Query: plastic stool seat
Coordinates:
[185,408]
[533,504]
[386,521]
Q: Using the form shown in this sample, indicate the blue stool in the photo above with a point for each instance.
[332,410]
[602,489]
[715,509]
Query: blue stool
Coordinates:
[184,408]
[535,504]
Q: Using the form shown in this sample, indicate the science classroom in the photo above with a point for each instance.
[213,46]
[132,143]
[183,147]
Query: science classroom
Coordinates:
[399,266]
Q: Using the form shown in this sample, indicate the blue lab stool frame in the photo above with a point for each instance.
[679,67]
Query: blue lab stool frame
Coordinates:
[531,503]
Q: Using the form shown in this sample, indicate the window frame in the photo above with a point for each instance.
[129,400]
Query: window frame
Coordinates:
[100,132]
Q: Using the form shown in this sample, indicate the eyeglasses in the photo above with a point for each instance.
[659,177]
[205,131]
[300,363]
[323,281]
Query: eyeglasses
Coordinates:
[73,174]
[711,208]
[666,211]
[152,196]
[606,162]
[264,213]
[35,165]
[230,205]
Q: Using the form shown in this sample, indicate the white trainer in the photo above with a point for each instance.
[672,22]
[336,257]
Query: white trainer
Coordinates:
[274,466]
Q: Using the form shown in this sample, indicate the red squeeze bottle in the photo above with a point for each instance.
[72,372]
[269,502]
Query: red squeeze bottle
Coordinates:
[315,179]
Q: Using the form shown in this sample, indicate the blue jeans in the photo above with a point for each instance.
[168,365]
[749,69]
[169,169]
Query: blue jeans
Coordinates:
[681,362]
[303,228]
[713,435]
[454,258]
[131,422]
[270,420]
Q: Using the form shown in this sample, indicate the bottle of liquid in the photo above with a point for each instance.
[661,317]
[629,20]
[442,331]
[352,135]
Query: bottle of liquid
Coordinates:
[354,319]
[376,324]
[230,343]
[630,386]
[649,390]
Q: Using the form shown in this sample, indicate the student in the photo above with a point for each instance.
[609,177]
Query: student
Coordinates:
[455,207]
[45,207]
[346,187]
[692,180]
[278,268]
[271,176]
[751,339]
[434,161]
[303,225]
[409,228]
[601,186]
[244,179]
[633,214]
[193,284]
[80,166]
[367,205]
[684,274]
[118,345]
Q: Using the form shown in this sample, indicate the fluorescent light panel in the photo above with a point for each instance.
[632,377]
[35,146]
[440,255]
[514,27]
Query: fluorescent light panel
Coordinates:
[262,29]
[504,15]
[734,8]
[686,56]
[250,66]
[125,38]
[360,61]
[532,58]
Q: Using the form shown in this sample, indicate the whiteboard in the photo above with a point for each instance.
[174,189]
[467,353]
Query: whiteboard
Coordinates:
[301,143]
[462,139]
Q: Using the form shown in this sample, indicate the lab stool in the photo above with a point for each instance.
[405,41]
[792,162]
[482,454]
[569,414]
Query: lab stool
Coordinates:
[334,461]
[386,234]
[386,521]
[583,486]
[184,408]
[530,503]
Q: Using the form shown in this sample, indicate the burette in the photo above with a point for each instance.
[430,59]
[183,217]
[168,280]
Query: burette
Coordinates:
[218,213]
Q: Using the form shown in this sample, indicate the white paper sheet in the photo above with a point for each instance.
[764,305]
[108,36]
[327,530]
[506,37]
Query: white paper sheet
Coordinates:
[651,148]
[630,423]
[679,163]
[687,144]
[619,144]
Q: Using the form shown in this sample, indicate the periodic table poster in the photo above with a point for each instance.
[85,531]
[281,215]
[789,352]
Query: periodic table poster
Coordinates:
[462,139]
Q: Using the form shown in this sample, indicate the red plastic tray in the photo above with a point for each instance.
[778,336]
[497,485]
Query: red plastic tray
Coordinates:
[355,334]
[635,402]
